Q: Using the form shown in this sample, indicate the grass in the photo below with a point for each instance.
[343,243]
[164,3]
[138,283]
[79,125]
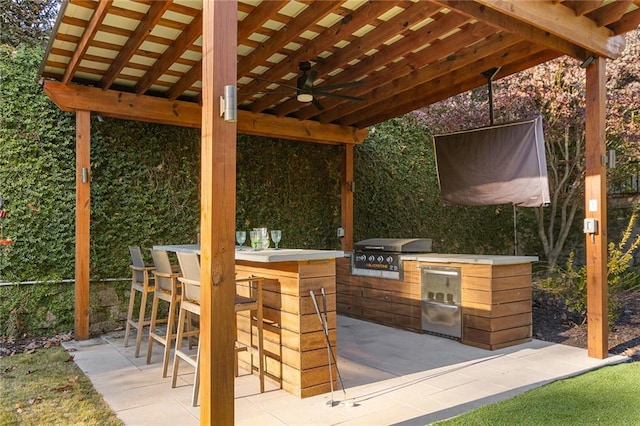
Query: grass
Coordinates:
[45,387]
[607,396]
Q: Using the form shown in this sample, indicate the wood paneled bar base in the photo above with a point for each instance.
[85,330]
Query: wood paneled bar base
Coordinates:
[496,296]
[295,344]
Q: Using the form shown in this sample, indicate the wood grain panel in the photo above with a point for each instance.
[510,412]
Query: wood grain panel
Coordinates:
[295,305]
[495,297]
[495,271]
[306,360]
[354,311]
[488,311]
[299,323]
[496,284]
[306,341]
[311,377]
[496,324]
[497,337]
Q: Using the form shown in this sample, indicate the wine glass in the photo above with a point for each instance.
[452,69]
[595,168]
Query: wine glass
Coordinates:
[256,240]
[241,237]
[276,236]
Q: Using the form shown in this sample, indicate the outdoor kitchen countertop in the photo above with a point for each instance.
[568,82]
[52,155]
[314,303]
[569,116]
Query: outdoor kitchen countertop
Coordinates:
[286,255]
[263,256]
[481,259]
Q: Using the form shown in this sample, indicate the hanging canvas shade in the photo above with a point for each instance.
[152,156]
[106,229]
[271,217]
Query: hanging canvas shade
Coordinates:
[501,164]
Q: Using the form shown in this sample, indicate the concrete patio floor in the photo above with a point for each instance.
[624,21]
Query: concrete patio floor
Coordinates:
[393,377]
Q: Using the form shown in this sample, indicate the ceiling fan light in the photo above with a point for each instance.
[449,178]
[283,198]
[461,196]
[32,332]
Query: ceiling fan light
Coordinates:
[304,97]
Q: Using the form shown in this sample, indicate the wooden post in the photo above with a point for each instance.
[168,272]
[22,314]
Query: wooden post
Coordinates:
[347,198]
[83,215]
[595,193]
[217,216]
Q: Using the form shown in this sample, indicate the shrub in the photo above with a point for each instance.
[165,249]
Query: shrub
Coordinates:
[570,283]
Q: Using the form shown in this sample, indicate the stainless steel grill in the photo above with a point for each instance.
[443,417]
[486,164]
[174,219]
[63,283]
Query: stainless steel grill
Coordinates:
[380,257]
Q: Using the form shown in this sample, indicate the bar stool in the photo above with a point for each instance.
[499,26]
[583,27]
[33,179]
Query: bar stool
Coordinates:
[250,300]
[190,303]
[167,289]
[139,283]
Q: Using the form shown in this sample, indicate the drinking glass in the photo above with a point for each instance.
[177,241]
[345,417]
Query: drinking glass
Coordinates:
[264,238]
[256,240]
[241,237]
[276,236]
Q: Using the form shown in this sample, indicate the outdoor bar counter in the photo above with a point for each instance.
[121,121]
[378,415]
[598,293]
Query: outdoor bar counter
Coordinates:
[495,296]
[294,342]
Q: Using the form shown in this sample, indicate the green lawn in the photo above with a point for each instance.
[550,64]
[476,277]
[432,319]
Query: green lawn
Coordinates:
[607,396]
[45,387]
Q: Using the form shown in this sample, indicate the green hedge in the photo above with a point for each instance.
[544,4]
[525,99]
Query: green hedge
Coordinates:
[145,191]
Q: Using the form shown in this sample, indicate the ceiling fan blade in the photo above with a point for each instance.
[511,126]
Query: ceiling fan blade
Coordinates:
[317,104]
[340,85]
[287,92]
[275,82]
[337,96]
[311,78]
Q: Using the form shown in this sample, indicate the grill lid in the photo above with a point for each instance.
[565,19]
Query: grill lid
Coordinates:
[397,245]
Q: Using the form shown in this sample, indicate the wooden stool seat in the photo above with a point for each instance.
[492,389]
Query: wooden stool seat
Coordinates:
[249,300]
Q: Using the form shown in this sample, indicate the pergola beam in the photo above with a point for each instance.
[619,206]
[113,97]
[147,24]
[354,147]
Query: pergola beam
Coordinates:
[262,13]
[154,14]
[169,57]
[399,24]
[582,7]
[629,22]
[445,87]
[87,36]
[610,13]
[128,106]
[286,35]
[365,15]
[427,68]
[387,56]
[557,29]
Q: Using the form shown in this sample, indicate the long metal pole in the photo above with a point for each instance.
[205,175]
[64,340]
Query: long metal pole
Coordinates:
[489,74]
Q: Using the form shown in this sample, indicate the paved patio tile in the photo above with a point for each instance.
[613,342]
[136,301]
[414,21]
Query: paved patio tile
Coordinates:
[159,414]
[391,376]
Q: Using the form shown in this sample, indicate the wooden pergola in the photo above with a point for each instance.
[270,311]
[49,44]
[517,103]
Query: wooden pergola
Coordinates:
[169,62]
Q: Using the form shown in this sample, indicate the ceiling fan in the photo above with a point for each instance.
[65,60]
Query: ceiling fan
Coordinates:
[305,90]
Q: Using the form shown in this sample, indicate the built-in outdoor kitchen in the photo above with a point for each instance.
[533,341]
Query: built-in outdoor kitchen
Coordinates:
[481,300]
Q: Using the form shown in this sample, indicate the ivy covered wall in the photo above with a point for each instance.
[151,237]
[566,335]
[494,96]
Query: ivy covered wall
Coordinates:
[145,191]
[397,196]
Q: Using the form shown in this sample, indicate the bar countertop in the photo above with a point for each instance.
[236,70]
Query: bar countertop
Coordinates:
[263,256]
